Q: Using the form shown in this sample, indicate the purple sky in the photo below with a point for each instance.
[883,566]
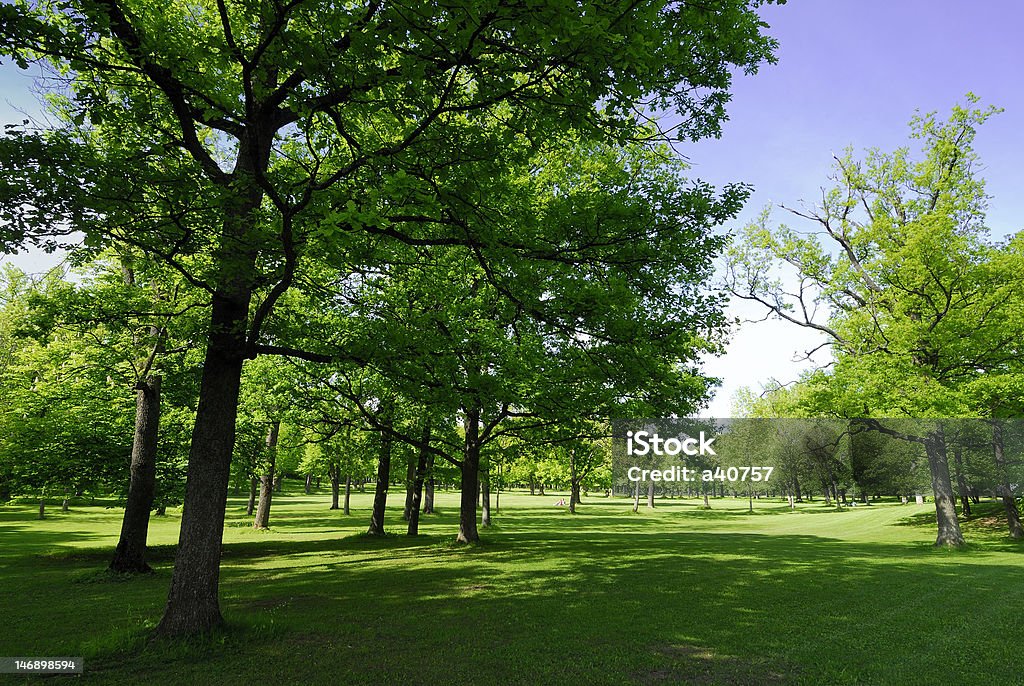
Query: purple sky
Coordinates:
[850,72]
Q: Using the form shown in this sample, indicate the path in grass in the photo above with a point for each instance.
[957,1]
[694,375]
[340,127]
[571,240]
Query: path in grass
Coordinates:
[679,594]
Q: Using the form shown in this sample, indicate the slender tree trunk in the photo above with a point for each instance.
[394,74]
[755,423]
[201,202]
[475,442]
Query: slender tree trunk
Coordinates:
[192,602]
[417,485]
[380,494]
[636,497]
[279,482]
[961,481]
[650,495]
[348,493]
[485,496]
[334,474]
[428,491]
[574,482]
[707,505]
[250,508]
[945,504]
[1009,504]
[262,520]
[533,486]
[309,484]
[470,478]
[796,490]
[410,485]
[130,554]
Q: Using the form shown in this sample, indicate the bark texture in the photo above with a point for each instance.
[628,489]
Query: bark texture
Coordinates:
[942,487]
[193,605]
[130,554]
[470,478]
[380,495]
[262,520]
[1005,492]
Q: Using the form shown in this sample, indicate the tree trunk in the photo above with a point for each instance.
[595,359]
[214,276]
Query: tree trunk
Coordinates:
[428,491]
[650,495]
[485,496]
[309,484]
[636,497]
[796,490]
[417,485]
[961,481]
[267,479]
[250,507]
[945,504]
[192,602]
[279,482]
[334,473]
[470,478]
[574,482]
[380,494]
[533,486]
[1009,504]
[348,494]
[410,484]
[130,554]
[707,505]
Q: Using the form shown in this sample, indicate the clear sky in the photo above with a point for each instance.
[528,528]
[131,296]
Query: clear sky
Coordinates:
[850,72]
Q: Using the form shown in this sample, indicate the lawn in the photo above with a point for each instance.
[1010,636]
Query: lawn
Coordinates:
[675,595]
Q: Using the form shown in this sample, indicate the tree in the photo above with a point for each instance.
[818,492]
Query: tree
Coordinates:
[280,117]
[898,257]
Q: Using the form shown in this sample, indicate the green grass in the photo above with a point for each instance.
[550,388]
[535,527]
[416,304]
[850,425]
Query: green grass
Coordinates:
[677,595]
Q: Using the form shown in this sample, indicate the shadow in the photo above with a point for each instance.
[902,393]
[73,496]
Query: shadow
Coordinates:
[678,595]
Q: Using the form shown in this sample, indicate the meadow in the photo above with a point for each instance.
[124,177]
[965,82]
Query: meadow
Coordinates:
[679,594]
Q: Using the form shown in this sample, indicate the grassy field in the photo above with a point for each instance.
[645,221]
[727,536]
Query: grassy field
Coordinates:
[675,595]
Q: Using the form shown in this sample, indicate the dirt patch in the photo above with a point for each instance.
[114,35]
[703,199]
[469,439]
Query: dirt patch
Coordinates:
[700,665]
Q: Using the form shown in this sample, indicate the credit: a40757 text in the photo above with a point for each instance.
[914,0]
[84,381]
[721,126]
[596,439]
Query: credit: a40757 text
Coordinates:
[678,473]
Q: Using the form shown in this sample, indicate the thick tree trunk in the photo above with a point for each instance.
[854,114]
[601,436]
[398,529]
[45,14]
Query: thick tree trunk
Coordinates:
[262,520]
[254,488]
[428,490]
[961,481]
[470,478]
[1009,504]
[380,495]
[348,493]
[192,602]
[945,503]
[796,490]
[417,486]
[130,554]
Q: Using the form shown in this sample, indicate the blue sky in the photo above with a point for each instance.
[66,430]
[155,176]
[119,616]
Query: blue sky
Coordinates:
[850,72]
